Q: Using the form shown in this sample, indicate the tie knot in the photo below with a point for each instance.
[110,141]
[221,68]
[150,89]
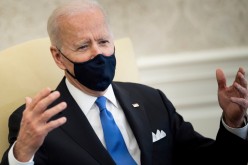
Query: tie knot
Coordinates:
[101,102]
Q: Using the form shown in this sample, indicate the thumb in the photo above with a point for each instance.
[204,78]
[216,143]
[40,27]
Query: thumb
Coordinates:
[28,101]
[221,79]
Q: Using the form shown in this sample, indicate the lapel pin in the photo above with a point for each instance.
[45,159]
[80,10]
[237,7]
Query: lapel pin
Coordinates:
[135,105]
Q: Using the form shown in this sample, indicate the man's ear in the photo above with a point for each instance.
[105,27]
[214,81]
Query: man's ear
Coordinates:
[57,57]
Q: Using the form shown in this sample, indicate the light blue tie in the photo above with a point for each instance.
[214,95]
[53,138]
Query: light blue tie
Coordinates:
[114,141]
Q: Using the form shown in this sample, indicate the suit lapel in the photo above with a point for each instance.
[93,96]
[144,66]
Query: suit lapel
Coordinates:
[80,130]
[137,118]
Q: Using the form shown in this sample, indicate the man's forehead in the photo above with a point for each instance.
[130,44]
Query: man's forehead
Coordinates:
[82,19]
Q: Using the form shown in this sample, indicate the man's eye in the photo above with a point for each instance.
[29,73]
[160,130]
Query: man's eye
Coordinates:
[104,42]
[82,47]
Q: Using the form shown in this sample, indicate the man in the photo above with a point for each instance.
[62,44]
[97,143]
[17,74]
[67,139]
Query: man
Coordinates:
[63,127]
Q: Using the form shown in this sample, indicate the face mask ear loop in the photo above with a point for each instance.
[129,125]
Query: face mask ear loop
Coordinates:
[71,74]
[68,60]
[64,55]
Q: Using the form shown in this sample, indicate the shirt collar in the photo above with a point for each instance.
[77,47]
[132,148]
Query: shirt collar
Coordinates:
[86,101]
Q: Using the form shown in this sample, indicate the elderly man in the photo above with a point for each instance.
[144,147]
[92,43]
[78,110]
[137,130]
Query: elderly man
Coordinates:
[91,120]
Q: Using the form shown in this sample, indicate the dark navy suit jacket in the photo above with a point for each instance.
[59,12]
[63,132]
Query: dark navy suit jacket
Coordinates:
[75,142]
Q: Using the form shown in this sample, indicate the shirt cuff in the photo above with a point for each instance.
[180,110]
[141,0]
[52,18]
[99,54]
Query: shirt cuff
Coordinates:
[241,132]
[13,161]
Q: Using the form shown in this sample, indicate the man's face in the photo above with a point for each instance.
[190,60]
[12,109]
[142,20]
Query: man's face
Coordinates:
[84,35]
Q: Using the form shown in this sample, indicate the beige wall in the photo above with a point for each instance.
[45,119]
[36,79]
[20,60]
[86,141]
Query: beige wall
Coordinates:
[156,27]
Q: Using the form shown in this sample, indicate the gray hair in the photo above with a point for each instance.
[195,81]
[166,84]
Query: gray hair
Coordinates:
[68,9]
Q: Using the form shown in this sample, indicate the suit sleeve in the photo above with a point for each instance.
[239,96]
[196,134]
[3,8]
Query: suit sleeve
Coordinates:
[14,126]
[190,147]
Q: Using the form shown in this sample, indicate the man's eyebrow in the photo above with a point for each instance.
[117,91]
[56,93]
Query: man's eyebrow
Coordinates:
[80,43]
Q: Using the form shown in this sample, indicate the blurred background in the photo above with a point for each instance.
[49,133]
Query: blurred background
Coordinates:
[178,45]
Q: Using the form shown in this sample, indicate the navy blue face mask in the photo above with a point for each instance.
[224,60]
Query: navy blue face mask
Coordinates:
[97,73]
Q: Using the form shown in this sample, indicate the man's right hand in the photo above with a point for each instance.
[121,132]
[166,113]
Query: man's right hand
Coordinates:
[35,124]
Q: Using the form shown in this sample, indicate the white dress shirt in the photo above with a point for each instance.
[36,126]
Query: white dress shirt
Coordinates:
[91,111]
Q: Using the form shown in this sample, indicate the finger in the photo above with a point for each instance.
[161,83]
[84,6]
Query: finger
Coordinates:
[243,91]
[240,101]
[48,114]
[242,70]
[40,95]
[221,79]
[55,124]
[41,106]
[240,73]
[242,80]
